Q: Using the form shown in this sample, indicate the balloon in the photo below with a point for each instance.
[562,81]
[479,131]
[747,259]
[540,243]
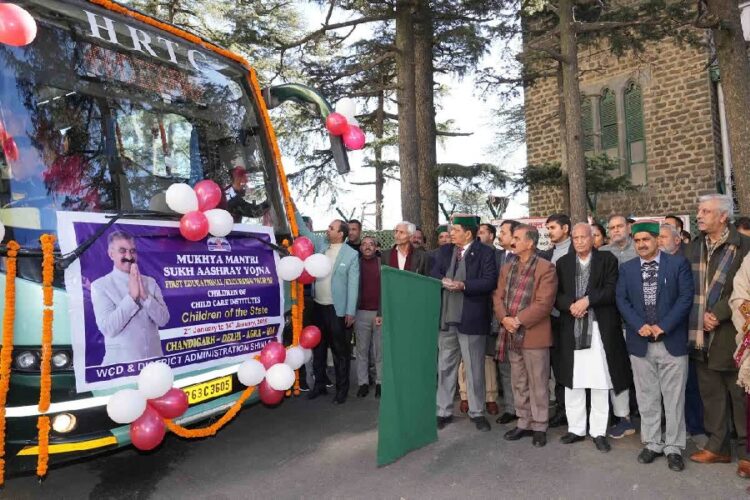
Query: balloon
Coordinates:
[318,265]
[251,372]
[181,198]
[336,123]
[280,377]
[2,231]
[155,380]
[17,27]
[268,395]
[208,194]
[220,222]
[305,278]
[290,268]
[272,353]
[347,107]
[10,148]
[303,247]
[3,134]
[308,355]
[354,138]
[172,404]
[194,226]
[310,337]
[148,430]
[125,406]
[295,357]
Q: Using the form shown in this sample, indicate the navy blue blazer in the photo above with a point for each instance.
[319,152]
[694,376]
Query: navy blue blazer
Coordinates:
[481,280]
[674,298]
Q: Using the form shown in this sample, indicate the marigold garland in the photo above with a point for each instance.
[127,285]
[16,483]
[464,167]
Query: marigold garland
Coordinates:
[216,426]
[45,379]
[43,459]
[6,352]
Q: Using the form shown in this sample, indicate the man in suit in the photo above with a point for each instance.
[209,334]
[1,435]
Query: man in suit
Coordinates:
[589,343]
[403,255]
[469,275]
[334,306]
[523,302]
[654,296]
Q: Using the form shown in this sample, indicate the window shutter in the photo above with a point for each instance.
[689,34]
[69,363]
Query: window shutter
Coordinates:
[633,113]
[587,122]
[608,120]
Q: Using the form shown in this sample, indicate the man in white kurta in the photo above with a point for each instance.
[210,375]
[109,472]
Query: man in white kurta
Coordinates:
[129,308]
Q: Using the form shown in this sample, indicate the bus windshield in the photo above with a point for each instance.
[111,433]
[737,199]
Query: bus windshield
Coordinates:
[91,125]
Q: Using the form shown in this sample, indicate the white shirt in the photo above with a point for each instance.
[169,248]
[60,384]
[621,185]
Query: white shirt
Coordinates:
[655,259]
[401,258]
[323,290]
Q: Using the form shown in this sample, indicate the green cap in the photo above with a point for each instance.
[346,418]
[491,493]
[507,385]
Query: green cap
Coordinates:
[442,228]
[466,220]
[649,226]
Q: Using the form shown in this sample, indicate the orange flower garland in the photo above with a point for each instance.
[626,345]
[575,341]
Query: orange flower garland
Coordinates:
[45,379]
[6,352]
[216,426]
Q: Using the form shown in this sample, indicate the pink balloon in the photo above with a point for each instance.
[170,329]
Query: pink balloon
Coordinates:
[354,138]
[336,123]
[306,278]
[303,247]
[272,353]
[148,430]
[208,193]
[17,27]
[194,226]
[3,134]
[172,404]
[268,395]
[10,148]
[309,337]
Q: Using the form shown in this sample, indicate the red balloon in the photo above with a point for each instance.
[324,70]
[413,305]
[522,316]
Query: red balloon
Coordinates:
[354,138]
[272,353]
[303,247]
[336,123]
[172,404]
[208,193]
[10,148]
[148,430]
[306,278]
[310,337]
[194,226]
[17,27]
[3,134]
[268,395]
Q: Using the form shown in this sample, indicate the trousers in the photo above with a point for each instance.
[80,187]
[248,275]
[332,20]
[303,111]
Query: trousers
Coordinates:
[369,339]
[716,387]
[490,380]
[529,372]
[575,411]
[452,347]
[338,337]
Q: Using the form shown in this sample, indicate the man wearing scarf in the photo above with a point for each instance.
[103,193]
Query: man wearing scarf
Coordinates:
[403,255]
[523,303]
[469,274]
[715,256]
[654,295]
[589,343]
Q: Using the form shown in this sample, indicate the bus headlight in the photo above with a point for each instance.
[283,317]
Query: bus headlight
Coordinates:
[61,359]
[26,360]
[64,422]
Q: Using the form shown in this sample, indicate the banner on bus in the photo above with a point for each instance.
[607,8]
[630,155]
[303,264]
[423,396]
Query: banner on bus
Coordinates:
[142,293]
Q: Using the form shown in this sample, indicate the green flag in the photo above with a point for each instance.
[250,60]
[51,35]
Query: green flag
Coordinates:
[411,315]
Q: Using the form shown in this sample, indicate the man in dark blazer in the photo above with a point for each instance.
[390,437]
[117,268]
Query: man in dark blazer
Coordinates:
[590,346]
[403,255]
[469,274]
[654,296]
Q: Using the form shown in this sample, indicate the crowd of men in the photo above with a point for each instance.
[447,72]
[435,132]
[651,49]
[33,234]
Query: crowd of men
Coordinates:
[634,319]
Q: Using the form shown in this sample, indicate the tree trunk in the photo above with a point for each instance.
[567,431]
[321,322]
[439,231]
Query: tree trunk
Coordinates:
[407,123]
[379,177]
[735,81]
[426,129]
[564,188]
[572,103]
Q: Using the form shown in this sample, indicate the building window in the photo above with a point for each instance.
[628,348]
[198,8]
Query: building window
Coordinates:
[587,124]
[635,138]
[608,121]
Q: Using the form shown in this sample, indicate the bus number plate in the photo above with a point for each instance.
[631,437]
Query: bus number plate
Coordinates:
[208,390]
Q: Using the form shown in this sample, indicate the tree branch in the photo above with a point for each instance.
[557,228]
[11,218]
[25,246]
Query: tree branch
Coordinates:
[454,134]
[328,27]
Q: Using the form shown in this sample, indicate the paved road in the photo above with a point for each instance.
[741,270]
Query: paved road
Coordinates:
[313,449]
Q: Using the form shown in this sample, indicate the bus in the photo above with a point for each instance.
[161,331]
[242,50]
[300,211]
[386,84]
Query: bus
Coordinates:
[100,114]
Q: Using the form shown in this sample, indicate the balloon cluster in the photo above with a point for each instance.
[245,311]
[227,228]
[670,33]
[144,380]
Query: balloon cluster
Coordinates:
[273,371]
[17,27]
[198,206]
[304,264]
[146,408]
[342,123]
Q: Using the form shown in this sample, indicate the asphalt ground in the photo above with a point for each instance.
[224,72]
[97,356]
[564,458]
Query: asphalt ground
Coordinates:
[314,449]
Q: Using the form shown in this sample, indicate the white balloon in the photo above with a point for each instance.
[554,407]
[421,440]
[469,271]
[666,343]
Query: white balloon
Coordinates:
[348,108]
[280,377]
[251,372]
[126,406]
[2,231]
[181,198]
[295,357]
[290,268]
[155,380]
[308,354]
[220,222]
[318,265]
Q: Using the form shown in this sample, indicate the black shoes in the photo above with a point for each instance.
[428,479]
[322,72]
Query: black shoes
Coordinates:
[570,438]
[602,444]
[377,391]
[363,391]
[506,418]
[647,456]
[481,423]
[317,391]
[516,434]
[339,399]
[539,439]
[443,421]
[675,462]
[559,419]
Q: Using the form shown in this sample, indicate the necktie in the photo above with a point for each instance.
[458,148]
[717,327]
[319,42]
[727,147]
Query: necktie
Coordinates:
[460,254]
[649,274]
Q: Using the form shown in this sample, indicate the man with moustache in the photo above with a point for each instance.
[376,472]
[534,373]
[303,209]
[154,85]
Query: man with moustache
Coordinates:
[670,240]
[128,307]
[404,255]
